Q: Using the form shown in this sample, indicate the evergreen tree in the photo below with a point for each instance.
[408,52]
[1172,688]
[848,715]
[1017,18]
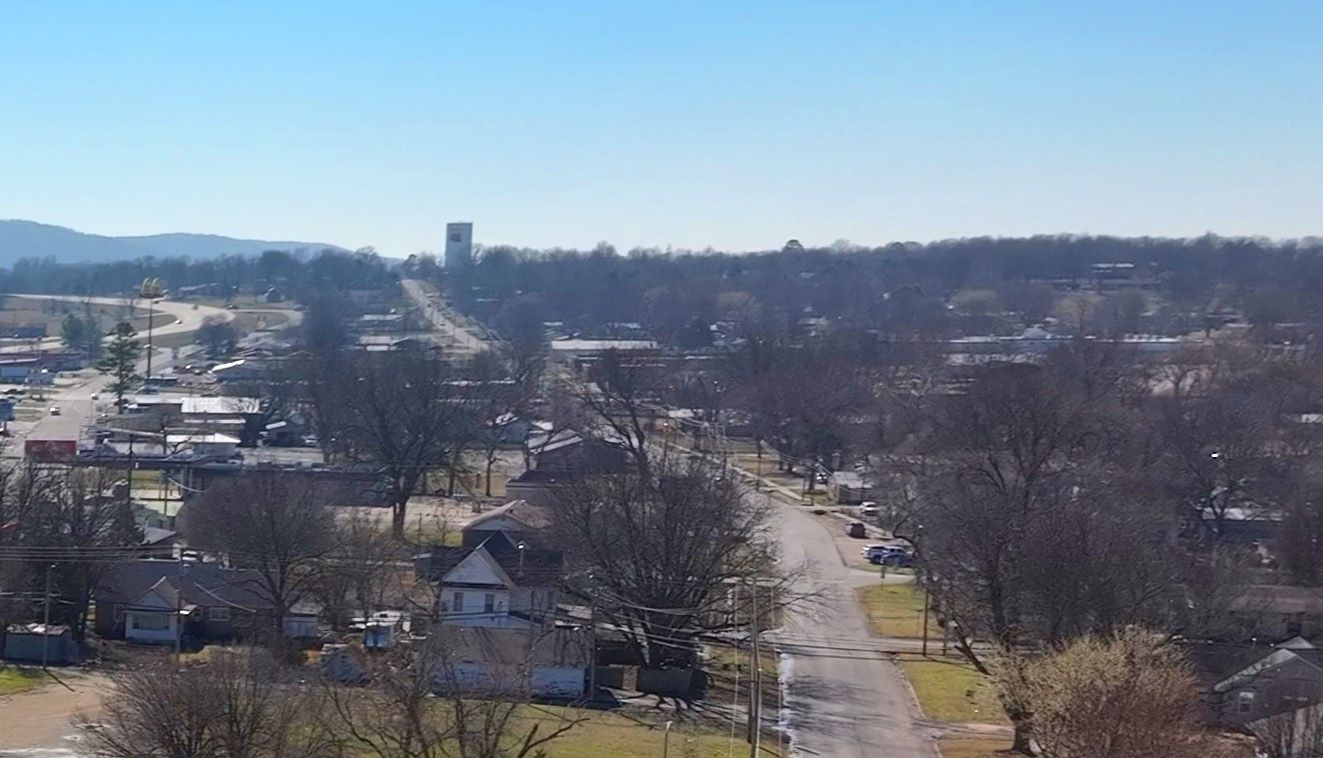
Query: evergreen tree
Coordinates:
[121,361]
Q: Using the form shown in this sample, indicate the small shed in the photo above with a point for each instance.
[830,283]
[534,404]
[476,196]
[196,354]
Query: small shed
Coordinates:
[35,642]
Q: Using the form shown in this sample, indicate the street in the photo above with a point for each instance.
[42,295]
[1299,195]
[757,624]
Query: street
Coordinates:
[74,399]
[842,699]
[434,310]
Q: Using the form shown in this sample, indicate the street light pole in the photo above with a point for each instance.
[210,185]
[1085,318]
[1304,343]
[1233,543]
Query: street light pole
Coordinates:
[666,739]
[46,620]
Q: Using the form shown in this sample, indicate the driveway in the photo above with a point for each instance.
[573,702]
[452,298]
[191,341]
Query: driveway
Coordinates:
[39,723]
[844,698]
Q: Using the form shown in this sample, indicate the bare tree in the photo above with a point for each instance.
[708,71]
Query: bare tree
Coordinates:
[620,395]
[1294,734]
[663,553]
[403,412]
[414,703]
[1122,697]
[357,572]
[509,381]
[277,525]
[238,705]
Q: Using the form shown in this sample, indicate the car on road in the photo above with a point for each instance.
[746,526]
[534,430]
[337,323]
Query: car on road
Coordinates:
[96,395]
[55,410]
[856,529]
[869,508]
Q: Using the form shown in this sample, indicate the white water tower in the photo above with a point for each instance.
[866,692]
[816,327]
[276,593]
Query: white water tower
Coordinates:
[459,244]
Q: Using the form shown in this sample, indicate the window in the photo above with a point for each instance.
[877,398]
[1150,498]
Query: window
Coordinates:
[489,603]
[457,606]
[218,613]
[151,622]
[1245,702]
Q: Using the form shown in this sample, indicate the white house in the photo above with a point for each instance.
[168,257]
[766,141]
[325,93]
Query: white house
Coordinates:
[500,586]
[496,584]
[548,663]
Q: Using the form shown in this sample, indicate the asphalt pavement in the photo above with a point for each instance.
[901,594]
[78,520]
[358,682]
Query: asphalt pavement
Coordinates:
[72,394]
[842,699]
[435,311]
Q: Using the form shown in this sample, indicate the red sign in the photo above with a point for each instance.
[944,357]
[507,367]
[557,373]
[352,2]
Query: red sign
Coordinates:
[50,450]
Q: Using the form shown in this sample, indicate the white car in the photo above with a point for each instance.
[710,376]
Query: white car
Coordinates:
[869,508]
[55,410]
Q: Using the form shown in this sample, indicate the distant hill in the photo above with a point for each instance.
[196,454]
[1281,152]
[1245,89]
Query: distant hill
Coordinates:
[29,239]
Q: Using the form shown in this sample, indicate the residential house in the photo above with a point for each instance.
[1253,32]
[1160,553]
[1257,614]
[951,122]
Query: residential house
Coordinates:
[494,584]
[1273,612]
[1282,679]
[553,663]
[849,488]
[546,663]
[517,521]
[159,601]
[567,451]
[541,488]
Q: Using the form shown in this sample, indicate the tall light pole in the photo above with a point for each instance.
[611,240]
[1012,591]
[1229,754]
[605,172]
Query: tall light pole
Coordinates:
[150,291]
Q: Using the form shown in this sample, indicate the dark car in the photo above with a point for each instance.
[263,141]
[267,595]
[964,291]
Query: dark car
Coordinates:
[856,529]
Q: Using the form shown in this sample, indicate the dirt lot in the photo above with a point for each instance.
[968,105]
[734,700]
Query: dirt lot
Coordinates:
[44,717]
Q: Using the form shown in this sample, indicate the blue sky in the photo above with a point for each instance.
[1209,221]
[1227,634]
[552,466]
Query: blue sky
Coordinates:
[730,124]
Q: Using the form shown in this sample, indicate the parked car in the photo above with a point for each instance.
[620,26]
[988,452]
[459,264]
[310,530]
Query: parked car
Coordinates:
[894,560]
[869,508]
[888,549]
[55,410]
[868,551]
[856,529]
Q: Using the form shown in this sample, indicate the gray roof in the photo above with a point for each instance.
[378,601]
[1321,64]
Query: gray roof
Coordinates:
[191,582]
[524,513]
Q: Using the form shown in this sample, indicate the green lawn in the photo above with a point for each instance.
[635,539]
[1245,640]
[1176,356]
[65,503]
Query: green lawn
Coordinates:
[15,680]
[950,689]
[974,747]
[609,734]
[896,610]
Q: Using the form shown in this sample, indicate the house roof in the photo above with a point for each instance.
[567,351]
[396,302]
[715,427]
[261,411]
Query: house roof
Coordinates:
[1279,657]
[186,582]
[214,438]
[540,476]
[546,443]
[517,647]
[522,512]
[219,406]
[52,630]
[1273,598]
[536,567]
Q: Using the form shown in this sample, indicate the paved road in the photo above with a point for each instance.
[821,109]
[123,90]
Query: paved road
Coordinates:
[842,700]
[434,310]
[74,398]
[179,318]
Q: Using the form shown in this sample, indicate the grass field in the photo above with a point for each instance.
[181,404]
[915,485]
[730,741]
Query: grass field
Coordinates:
[609,734]
[950,689]
[896,610]
[974,747]
[16,680]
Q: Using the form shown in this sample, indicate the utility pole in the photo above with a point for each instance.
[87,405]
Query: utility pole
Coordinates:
[925,621]
[592,652]
[179,593]
[46,620]
[755,682]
